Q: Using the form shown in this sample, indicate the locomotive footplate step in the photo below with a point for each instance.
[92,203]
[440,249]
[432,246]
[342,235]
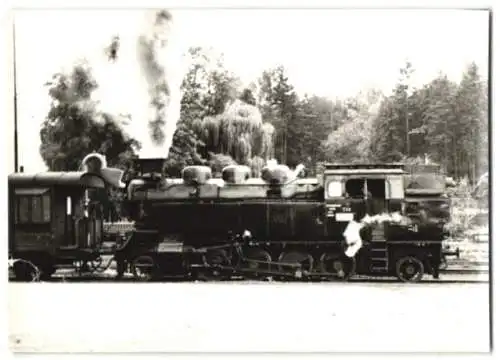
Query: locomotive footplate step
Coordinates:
[379,258]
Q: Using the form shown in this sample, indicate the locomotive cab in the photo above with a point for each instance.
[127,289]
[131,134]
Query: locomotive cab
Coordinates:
[354,191]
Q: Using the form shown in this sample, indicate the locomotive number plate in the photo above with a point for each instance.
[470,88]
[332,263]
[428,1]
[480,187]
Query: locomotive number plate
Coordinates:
[170,247]
[344,216]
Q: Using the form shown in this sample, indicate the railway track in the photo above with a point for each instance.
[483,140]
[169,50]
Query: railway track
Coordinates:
[455,271]
[453,275]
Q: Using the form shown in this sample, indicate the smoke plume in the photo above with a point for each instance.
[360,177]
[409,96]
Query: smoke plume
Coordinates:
[161,68]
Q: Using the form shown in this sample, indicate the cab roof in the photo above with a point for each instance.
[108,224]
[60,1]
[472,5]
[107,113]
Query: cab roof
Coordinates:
[368,169]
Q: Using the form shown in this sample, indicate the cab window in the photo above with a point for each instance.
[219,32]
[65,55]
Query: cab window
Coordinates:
[334,189]
[355,188]
[32,206]
[396,189]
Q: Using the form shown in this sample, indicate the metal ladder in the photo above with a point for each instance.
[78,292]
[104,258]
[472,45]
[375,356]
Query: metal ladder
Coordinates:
[379,256]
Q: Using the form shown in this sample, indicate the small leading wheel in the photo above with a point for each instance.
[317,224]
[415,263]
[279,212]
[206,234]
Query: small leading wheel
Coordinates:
[144,268]
[409,269]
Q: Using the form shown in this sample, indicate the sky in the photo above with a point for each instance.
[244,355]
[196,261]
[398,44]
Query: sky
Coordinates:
[332,53]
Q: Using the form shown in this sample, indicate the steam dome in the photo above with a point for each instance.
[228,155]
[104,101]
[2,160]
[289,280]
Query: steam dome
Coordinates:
[196,175]
[236,174]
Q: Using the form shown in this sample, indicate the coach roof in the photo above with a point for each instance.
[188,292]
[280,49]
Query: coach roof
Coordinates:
[71,178]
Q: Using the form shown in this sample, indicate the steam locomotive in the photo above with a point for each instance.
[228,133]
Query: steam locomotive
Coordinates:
[279,225]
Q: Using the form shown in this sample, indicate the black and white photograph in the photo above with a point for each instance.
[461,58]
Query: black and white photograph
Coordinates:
[248,180]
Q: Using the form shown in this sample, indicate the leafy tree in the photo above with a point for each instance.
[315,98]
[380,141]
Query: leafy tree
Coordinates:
[391,137]
[350,141]
[207,88]
[238,132]
[75,127]
[279,105]
[472,134]
[438,119]
[217,162]
[183,151]
[248,97]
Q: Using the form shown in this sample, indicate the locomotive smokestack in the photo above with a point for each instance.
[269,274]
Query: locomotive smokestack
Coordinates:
[150,167]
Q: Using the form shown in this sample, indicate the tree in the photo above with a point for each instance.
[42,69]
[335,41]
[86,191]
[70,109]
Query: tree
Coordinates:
[248,97]
[183,151]
[279,105]
[438,120]
[350,142]
[238,132]
[472,134]
[74,127]
[391,137]
[207,88]
[218,162]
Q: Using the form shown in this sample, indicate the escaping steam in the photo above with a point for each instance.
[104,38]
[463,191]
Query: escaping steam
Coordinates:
[143,77]
[280,173]
[352,233]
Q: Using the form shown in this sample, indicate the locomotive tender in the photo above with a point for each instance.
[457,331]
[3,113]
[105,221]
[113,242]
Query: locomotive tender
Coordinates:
[278,225]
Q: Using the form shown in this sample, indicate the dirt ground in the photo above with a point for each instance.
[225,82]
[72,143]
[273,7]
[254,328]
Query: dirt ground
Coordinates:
[235,317]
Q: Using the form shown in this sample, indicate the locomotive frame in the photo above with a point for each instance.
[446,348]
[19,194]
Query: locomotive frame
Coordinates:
[297,234]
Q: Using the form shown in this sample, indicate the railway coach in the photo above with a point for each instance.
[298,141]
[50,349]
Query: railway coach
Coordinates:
[56,218]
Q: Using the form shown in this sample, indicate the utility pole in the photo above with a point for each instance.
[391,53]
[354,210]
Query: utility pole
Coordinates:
[407,127]
[15,98]
[331,115]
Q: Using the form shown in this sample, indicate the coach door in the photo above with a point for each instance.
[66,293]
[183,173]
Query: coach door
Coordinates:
[67,209]
[78,222]
[95,225]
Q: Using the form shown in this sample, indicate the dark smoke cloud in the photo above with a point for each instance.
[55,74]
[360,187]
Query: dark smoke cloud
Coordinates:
[152,47]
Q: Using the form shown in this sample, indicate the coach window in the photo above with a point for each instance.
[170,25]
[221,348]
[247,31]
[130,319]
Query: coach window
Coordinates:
[32,206]
[23,209]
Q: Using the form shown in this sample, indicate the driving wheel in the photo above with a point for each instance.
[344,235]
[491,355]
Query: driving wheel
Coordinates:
[218,257]
[341,266]
[303,260]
